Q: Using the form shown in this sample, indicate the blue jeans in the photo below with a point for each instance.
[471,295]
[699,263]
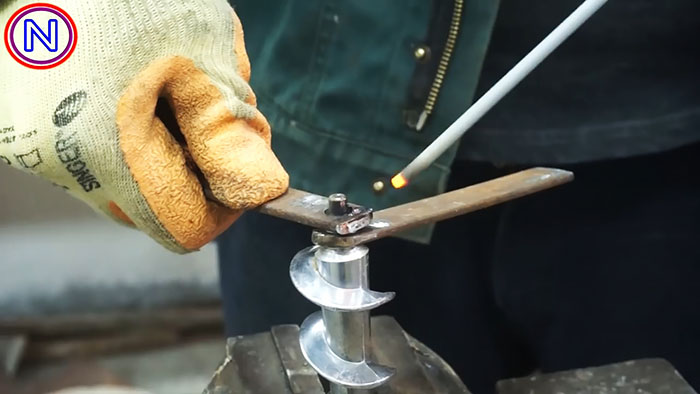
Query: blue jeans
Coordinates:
[601,270]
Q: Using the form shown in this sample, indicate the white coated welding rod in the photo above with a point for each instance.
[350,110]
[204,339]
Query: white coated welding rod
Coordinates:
[498,91]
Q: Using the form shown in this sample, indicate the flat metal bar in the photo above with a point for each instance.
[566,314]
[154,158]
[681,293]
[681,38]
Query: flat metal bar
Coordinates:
[469,199]
[300,207]
[294,205]
[404,217]
[309,209]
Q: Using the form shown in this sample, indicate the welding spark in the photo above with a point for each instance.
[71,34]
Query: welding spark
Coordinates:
[398,181]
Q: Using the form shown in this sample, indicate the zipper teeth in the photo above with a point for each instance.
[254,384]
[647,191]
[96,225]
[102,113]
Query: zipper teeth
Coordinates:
[445,58]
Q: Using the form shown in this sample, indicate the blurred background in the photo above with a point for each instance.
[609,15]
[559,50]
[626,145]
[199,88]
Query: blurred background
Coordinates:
[86,301]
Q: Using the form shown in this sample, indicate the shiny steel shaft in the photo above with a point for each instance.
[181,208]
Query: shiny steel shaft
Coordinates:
[347,333]
[337,340]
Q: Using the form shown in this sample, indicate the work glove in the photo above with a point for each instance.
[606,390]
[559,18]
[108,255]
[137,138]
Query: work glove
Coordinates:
[152,105]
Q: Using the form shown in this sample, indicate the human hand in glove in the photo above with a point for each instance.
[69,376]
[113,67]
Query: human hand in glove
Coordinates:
[98,125]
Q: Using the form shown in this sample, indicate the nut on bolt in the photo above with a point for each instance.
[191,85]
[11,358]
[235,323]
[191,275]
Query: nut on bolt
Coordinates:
[337,204]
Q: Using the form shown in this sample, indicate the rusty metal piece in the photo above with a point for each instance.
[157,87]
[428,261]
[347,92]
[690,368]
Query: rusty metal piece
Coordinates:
[300,207]
[310,209]
[448,205]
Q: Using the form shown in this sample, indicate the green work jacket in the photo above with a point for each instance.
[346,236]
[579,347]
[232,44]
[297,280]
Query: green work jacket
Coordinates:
[343,85]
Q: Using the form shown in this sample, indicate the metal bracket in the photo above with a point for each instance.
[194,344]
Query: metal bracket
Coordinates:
[310,209]
[356,228]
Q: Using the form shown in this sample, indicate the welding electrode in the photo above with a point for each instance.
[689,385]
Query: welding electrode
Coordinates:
[497,92]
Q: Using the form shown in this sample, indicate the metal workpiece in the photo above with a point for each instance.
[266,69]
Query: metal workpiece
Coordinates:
[337,205]
[309,275]
[333,274]
[339,371]
[348,334]
[336,341]
[361,225]
[314,211]
[358,354]
[394,220]
[344,267]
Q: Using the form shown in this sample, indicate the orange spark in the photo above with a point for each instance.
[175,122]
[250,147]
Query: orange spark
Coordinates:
[398,181]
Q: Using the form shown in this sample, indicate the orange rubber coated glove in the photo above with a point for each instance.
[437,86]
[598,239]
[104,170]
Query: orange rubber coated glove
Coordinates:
[95,124]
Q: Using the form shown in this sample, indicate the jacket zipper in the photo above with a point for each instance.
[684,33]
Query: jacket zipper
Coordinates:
[443,65]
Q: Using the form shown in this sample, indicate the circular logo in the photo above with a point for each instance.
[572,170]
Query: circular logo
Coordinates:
[40,36]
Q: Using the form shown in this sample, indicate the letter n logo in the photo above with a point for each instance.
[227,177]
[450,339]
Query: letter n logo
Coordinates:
[48,39]
[40,35]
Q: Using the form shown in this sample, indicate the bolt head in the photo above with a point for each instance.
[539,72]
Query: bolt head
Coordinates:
[337,204]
